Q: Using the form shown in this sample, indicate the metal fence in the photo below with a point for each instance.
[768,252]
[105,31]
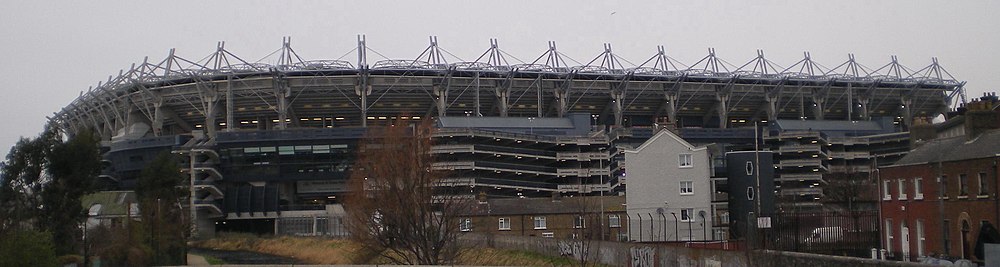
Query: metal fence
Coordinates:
[331,226]
[673,227]
[844,234]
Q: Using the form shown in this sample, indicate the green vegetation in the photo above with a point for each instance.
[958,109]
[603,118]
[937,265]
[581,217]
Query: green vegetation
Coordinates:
[27,248]
[160,190]
[213,260]
[41,184]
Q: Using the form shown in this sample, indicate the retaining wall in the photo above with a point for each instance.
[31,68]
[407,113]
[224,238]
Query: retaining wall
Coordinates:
[642,254]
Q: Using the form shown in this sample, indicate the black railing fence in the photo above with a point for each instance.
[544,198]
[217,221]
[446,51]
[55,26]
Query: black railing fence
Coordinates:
[843,233]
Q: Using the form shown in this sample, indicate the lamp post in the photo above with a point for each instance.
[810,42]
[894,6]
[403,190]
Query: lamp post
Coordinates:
[600,163]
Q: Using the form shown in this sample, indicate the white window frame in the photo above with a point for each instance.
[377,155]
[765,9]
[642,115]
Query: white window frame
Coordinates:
[466,225]
[579,222]
[886,190]
[902,189]
[540,222]
[689,189]
[689,213]
[503,224]
[614,221]
[918,188]
[685,160]
[549,234]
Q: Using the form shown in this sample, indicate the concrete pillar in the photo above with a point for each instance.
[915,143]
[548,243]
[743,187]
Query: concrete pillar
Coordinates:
[441,100]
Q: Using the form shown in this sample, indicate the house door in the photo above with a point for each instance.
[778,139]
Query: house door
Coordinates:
[904,241]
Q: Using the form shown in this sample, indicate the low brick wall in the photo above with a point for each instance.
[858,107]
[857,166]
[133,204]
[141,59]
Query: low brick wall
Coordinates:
[639,254]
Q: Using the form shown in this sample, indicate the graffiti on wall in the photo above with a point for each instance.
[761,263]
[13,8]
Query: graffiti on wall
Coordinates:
[571,249]
[642,256]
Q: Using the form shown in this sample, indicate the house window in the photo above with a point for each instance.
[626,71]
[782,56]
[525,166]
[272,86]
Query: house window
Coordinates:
[504,224]
[888,235]
[886,194]
[902,189]
[920,238]
[684,160]
[614,221]
[984,187]
[687,215]
[579,222]
[963,185]
[466,225]
[548,234]
[687,188]
[944,186]
[918,188]
[540,222]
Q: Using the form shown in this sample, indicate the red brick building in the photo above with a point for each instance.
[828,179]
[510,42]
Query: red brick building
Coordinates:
[936,199]
[567,217]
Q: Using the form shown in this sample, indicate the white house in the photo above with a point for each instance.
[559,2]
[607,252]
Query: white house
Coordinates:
[668,196]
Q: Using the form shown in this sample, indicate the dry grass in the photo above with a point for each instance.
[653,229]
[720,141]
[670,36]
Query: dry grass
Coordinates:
[338,251]
[307,249]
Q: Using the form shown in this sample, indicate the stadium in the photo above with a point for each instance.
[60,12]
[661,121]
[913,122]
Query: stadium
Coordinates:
[271,139]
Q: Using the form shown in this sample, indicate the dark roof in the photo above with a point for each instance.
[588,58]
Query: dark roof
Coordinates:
[533,206]
[954,149]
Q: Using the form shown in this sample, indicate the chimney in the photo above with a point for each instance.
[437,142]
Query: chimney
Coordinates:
[921,131]
[982,116]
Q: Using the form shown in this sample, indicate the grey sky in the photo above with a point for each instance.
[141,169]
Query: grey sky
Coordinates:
[53,50]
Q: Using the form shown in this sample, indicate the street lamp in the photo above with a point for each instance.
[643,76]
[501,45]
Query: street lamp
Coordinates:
[600,163]
[531,125]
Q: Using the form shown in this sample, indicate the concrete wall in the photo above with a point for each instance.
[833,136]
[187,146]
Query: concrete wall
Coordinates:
[639,254]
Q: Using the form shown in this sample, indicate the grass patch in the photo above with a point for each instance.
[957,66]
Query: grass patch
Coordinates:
[213,260]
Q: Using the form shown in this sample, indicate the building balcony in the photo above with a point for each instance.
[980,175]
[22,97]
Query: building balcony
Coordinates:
[808,162]
[850,155]
[800,191]
[800,177]
[814,148]
[850,168]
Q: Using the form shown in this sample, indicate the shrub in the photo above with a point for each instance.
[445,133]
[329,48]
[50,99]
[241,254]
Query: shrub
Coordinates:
[27,248]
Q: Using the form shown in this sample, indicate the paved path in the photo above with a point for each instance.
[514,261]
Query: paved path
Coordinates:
[195,260]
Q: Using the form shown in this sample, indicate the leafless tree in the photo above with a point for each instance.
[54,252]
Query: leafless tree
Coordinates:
[393,209]
[851,191]
[587,228]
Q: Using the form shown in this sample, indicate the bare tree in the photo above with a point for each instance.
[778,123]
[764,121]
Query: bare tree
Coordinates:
[393,209]
[851,191]
[588,229]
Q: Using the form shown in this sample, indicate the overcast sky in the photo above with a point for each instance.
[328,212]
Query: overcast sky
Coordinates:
[52,50]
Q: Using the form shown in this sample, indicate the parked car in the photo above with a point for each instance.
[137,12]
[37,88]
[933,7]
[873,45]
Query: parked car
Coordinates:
[825,235]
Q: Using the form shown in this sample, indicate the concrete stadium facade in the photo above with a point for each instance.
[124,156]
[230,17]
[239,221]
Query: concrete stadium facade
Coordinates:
[262,138]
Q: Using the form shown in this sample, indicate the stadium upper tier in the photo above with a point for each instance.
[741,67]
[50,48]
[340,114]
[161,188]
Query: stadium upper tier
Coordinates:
[282,90]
